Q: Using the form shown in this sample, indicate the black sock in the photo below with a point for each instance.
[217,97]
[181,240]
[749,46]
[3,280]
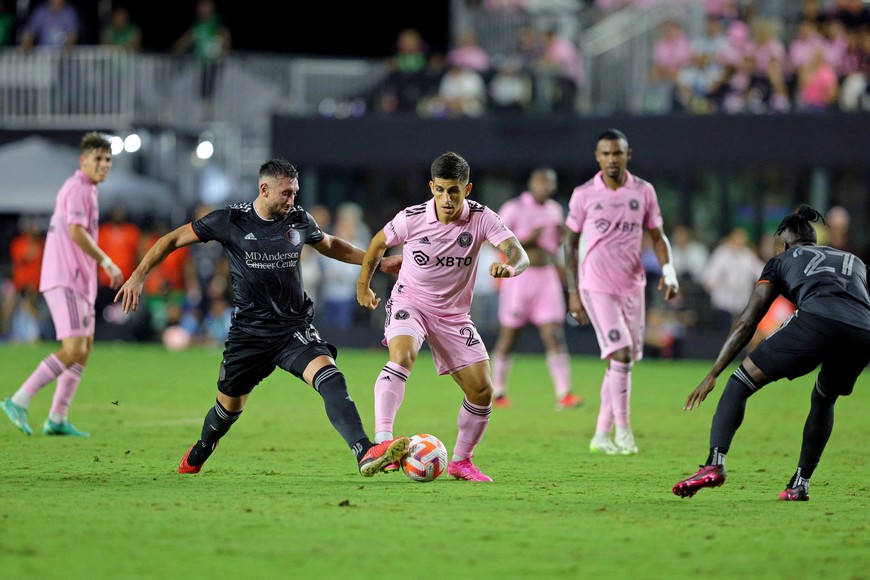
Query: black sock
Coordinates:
[817,431]
[730,410]
[716,456]
[217,422]
[341,410]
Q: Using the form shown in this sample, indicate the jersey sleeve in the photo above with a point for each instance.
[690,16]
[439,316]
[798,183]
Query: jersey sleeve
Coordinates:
[653,218]
[315,234]
[770,273]
[76,205]
[576,212]
[396,230]
[213,226]
[494,228]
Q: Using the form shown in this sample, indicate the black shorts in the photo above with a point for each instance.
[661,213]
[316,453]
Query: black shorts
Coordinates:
[805,341]
[248,359]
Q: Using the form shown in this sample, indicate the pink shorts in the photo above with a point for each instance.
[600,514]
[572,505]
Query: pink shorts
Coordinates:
[72,314]
[453,340]
[534,297]
[618,319]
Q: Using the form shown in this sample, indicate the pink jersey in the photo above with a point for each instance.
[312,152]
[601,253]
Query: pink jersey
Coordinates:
[439,261]
[64,262]
[523,214]
[612,223]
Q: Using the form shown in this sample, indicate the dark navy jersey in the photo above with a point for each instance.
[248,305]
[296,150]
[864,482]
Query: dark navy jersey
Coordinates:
[824,281]
[270,298]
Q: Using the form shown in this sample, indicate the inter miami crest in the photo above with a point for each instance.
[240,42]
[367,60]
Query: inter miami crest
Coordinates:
[613,335]
[401,315]
[633,204]
[465,239]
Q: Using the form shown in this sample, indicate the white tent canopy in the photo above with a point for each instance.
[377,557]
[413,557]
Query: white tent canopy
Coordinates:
[33,169]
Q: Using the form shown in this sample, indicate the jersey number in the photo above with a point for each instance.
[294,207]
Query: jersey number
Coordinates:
[468,333]
[815,265]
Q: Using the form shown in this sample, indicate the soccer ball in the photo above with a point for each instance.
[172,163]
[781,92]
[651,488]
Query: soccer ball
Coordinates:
[426,458]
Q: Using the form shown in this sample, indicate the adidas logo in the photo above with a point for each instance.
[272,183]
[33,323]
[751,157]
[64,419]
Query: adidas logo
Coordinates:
[598,206]
[424,240]
[386,379]
[250,237]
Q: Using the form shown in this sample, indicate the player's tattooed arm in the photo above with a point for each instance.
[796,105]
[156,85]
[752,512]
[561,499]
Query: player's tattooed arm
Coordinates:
[516,259]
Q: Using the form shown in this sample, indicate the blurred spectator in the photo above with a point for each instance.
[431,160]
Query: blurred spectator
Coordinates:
[469,54]
[696,82]
[818,86]
[672,52]
[310,260]
[403,86]
[25,251]
[837,233]
[53,24]
[122,32]
[767,46]
[121,239]
[714,41]
[804,45]
[852,13]
[7,26]
[689,254]
[462,93]
[209,39]
[338,302]
[561,58]
[730,276]
[510,88]
[208,262]
[855,89]
[167,285]
[814,11]
[739,44]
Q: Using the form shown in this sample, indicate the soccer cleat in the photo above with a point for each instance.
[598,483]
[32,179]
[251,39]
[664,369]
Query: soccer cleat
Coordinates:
[391,467]
[501,401]
[18,415]
[603,445]
[799,493]
[185,467]
[707,476]
[381,455]
[625,444]
[465,469]
[64,429]
[569,401]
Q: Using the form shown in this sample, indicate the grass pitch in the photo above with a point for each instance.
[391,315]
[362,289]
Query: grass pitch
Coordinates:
[282,497]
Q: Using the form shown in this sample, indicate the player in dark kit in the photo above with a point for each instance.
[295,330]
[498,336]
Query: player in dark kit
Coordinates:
[271,322]
[831,327]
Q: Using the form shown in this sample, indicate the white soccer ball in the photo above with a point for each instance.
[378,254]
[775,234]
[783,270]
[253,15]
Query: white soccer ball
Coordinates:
[426,458]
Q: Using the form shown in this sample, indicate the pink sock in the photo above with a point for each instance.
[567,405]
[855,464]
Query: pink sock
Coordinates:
[472,422]
[501,368]
[46,371]
[67,384]
[389,393]
[560,369]
[605,411]
[618,383]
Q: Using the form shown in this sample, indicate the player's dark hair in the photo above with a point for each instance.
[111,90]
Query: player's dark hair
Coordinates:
[451,165]
[94,140]
[613,135]
[798,224]
[276,168]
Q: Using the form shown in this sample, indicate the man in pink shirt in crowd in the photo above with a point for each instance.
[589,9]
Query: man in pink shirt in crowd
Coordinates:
[538,298]
[431,301]
[612,210]
[68,282]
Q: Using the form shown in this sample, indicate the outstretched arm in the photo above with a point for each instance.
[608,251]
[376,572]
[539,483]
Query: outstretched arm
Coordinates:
[741,333]
[132,288]
[84,240]
[516,261]
[373,256]
[343,251]
[662,249]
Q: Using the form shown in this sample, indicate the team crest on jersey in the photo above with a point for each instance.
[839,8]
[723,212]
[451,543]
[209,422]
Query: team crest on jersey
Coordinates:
[420,258]
[293,236]
[613,335]
[633,204]
[602,225]
[465,239]
[401,315]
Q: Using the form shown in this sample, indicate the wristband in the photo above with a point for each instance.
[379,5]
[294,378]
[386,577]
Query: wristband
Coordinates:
[510,269]
[105,262]
[669,274]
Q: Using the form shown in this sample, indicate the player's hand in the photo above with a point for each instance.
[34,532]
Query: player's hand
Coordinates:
[113,272]
[500,270]
[669,281]
[129,294]
[576,310]
[700,393]
[367,298]
[391,264]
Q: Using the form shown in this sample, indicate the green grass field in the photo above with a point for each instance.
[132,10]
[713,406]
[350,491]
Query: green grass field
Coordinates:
[281,497]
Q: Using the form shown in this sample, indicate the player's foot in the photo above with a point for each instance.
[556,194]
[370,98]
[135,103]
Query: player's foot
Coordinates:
[66,428]
[707,476]
[17,414]
[465,469]
[391,467]
[569,401]
[380,455]
[501,401]
[185,467]
[795,494]
[602,444]
[625,444]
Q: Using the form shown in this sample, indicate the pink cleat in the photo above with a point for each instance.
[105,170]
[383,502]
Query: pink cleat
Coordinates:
[390,467]
[707,476]
[465,469]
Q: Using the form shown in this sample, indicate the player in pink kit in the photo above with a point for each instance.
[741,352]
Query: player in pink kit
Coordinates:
[68,283]
[431,301]
[612,210]
[538,298]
